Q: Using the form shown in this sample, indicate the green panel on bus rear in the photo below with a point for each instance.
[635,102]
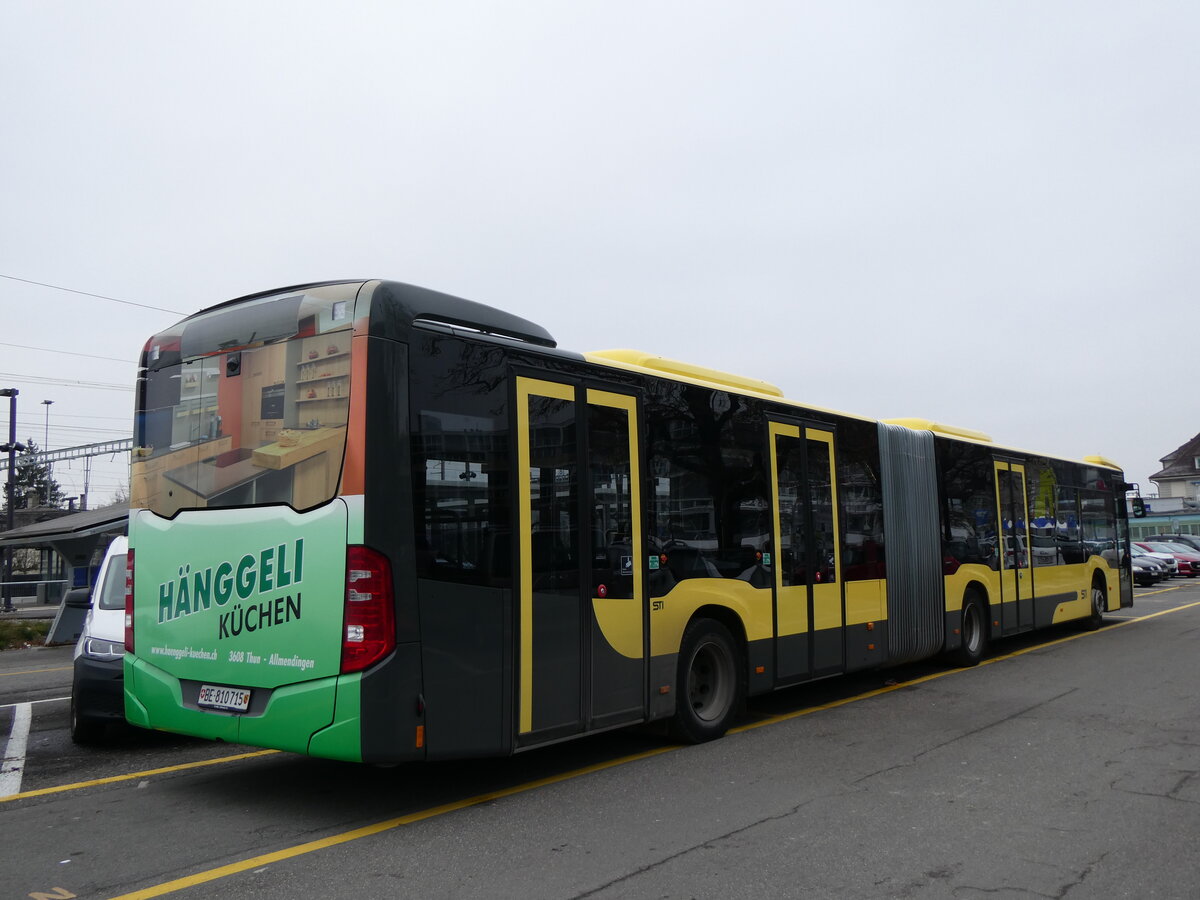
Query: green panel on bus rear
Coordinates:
[246,598]
[153,700]
[342,739]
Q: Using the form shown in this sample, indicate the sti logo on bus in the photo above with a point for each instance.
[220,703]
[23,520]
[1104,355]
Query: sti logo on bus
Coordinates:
[267,571]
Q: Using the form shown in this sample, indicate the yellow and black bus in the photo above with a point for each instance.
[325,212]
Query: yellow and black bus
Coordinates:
[376,522]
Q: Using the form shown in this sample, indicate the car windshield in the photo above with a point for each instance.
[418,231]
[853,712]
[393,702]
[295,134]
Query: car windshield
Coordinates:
[1162,548]
[1170,539]
[1179,548]
[112,594]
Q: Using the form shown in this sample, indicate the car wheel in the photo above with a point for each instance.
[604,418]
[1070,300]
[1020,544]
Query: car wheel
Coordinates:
[710,682]
[83,731]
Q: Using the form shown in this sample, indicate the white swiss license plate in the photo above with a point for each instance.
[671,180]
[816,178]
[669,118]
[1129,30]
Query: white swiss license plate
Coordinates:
[237,699]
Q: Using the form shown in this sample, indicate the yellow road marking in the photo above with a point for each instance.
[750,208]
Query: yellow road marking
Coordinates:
[1161,591]
[300,849]
[35,671]
[41,792]
[179,884]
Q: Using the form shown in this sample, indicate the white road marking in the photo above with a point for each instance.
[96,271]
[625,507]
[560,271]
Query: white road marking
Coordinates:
[47,700]
[13,766]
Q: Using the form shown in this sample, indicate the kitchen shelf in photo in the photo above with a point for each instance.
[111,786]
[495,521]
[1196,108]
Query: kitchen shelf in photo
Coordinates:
[322,358]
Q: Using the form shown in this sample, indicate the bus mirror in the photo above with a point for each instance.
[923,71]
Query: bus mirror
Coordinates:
[1139,507]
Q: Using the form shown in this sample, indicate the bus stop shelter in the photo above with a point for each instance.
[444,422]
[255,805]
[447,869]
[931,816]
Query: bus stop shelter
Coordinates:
[75,538]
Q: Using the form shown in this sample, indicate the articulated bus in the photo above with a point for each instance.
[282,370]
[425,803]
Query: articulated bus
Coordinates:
[378,523]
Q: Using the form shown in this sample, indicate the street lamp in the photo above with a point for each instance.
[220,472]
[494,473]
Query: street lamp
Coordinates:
[11,449]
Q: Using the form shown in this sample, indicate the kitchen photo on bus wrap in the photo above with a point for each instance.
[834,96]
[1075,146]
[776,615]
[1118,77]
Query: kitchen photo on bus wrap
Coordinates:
[246,405]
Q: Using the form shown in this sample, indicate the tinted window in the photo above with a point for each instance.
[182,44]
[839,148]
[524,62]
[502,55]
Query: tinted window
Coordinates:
[1098,523]
[459,404]
[612,501]
[969,503]
[553,495]
[1043,513]
[1067,532]
[861,500]
[820,498]
[709,514]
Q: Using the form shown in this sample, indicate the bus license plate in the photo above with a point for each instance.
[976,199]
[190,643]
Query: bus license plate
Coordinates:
[237,699]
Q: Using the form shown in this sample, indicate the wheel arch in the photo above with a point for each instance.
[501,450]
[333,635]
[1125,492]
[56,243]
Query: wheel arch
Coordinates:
[727,617]
[978,587]
[953,638]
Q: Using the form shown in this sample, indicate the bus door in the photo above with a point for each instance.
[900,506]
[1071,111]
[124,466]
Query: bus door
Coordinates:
[808,593]
[582,608]
[1016,582]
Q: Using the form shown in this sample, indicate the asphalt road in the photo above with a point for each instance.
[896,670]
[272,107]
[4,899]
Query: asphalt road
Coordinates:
[1067,765]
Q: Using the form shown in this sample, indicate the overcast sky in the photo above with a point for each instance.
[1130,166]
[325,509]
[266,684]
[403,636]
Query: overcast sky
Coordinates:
[984,214]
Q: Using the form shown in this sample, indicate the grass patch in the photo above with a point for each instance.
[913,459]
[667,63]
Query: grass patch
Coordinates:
[19,632]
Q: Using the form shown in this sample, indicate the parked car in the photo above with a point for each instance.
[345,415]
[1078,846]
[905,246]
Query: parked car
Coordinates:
[1188,559]
[1190,540]
[1167,559]
[1173,564]
[97,688]
[1159,565]
[1146,571]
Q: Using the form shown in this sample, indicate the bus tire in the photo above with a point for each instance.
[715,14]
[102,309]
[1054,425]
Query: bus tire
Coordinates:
[1099,606]
[710,682]
[973,629]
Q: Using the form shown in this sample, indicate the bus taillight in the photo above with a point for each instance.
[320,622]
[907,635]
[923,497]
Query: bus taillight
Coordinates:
[370,621]
[129,601]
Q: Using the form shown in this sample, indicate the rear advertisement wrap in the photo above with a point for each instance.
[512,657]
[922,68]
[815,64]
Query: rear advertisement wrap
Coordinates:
[249,598]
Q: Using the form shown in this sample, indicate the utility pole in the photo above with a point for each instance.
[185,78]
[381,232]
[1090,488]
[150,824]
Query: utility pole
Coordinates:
[11,449]
[45,447]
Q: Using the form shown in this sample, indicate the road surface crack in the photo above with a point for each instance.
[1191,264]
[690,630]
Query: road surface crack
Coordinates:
[706,844]
[966,734]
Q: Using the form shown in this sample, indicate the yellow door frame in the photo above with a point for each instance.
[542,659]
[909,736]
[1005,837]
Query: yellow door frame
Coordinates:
[621,621]
[793,602]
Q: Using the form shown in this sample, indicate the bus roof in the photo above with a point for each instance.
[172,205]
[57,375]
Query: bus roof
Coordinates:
[651,364]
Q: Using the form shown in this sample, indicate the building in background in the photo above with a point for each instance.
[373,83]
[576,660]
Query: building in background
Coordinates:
[1176,508]
[1180,474]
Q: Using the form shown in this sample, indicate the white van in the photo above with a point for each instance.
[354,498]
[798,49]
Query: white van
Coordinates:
[97,689]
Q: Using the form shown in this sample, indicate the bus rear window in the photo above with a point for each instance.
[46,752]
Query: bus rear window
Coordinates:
[246,405]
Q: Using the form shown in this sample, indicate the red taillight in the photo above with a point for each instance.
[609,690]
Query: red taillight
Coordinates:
[370,620]
[129,601]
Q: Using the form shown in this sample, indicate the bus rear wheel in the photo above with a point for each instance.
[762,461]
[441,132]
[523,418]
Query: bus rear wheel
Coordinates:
[710,682]
[973,630]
